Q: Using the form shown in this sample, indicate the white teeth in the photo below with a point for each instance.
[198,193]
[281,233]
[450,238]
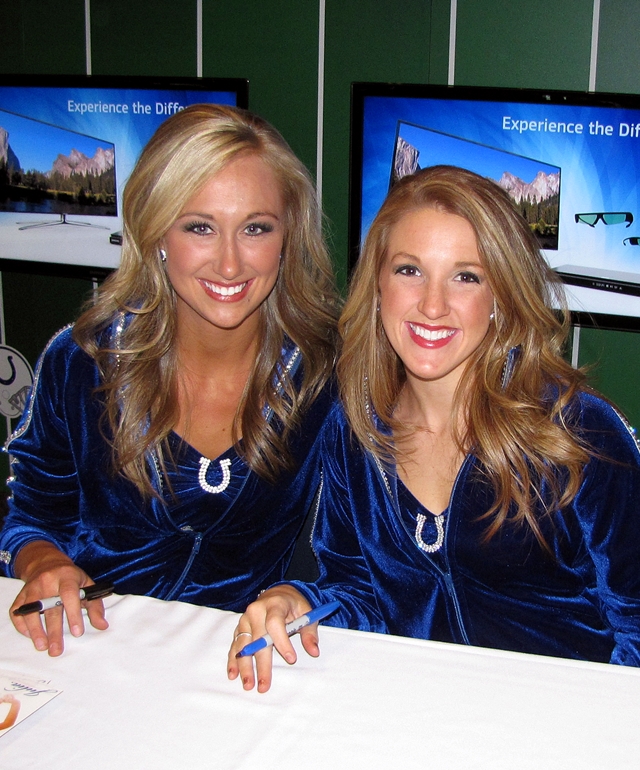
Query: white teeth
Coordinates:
[426,334]
[225,291]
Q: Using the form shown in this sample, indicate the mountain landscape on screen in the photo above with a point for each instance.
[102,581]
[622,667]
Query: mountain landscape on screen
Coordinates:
[59,178]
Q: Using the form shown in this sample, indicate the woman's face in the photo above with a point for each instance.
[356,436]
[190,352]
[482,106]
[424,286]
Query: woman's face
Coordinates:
[223,251]
[435,300]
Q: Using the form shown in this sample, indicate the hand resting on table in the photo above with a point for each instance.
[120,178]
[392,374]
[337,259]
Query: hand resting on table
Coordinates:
[47,571]
[269,615]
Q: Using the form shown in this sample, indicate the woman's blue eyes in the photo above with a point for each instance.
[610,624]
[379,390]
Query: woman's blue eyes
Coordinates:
[466,276]
[257,228]
[204,228]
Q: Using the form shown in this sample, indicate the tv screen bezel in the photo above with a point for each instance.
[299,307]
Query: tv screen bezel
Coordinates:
[237,86]
[360,91]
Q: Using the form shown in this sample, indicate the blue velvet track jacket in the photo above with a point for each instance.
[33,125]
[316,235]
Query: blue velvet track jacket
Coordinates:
[583,602]
[199,547]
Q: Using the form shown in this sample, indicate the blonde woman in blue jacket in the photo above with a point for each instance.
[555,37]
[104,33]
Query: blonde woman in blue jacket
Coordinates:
[170,442]
[475,489]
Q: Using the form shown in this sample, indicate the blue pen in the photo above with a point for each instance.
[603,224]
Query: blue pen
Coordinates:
[323,611]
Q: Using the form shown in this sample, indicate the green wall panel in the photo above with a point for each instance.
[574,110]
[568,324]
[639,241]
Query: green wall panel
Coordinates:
[440,18]
[524,44]
[36,306]
[618,47]
[614,367]
[130,37]
[42,36]
[366,40]
[275,46]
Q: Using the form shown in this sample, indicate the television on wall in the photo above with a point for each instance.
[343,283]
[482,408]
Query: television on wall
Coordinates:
[67,148]
[569,160]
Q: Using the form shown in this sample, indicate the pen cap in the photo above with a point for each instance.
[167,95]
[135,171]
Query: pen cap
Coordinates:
[98,590]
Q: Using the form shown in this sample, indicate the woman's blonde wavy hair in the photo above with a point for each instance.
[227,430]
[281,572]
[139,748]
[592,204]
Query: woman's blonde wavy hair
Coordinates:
[139,374]
[521,431]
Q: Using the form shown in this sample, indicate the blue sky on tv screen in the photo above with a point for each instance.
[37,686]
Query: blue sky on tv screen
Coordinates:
[37,144]
[435,148]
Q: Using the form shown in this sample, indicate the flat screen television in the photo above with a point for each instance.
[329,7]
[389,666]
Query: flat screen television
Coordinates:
[569,160]
[67,148]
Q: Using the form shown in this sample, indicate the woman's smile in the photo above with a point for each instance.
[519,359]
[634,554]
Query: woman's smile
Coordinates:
[430,336]
[225,292]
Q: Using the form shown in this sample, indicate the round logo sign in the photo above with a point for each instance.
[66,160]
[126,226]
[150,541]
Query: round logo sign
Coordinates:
[16,379]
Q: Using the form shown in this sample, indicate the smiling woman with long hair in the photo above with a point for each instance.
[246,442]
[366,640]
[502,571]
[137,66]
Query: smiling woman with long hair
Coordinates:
[476,490]
[169,445]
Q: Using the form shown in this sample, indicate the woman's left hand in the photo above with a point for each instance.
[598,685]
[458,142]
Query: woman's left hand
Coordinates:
[269,615]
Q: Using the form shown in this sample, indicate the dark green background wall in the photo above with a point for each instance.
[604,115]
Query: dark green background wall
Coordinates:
[276,45]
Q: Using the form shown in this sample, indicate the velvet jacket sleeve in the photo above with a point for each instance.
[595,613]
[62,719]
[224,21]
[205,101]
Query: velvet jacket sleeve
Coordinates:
[43,470]
[608,509]
[344,573]
[44,488]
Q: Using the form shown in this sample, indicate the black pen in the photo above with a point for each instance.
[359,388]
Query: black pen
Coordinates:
[96,591]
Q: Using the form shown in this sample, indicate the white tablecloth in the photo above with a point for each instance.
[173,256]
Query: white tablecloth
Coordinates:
[152,692]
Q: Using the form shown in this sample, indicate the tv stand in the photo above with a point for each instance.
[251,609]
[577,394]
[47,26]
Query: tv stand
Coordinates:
[62,221]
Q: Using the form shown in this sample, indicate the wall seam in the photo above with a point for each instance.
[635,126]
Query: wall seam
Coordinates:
[199,38]
[453,21]
[320,119]
[87,36]
[595,31]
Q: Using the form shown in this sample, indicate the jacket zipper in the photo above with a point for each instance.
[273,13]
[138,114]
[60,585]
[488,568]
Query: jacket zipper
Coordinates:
[445,574]
[194,552]
[289,370]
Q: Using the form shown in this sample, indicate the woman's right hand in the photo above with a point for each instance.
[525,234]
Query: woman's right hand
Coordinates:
[269,615]
[46,571]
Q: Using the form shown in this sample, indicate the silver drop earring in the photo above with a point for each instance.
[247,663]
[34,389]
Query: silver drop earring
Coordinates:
[492,315]
[163,255]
